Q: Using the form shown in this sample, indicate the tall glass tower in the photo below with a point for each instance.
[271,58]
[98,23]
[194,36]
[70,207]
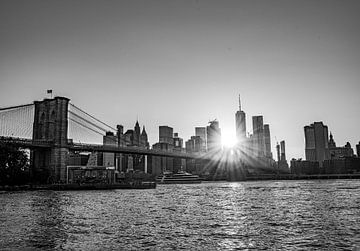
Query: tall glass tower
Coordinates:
[316,142]
[240,123]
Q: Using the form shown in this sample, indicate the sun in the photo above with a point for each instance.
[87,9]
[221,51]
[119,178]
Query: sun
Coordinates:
[228,140]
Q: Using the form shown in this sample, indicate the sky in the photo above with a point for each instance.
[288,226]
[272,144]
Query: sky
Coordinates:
[183,63]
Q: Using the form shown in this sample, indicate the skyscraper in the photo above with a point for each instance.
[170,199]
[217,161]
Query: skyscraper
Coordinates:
[178,142]
[316,142]
[282,163]
[282,150]
[136,135]
[109,140]
[267,140]
[132,137]
[278,151]
[213,136]
[144,138]
[193,144]
[166,135]
[201,132]
[258,136]
[240,123]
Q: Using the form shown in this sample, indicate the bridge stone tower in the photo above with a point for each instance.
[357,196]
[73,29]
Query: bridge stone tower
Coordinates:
[50,124]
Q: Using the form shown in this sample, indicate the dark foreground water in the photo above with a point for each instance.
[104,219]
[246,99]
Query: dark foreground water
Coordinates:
[289,215]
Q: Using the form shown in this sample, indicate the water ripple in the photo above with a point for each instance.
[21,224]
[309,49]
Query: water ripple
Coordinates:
[288,215]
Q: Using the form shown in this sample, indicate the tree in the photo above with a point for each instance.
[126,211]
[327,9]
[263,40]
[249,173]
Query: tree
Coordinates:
[14,165]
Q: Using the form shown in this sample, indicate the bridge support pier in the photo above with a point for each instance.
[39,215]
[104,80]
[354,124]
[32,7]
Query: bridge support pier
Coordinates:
[50,124]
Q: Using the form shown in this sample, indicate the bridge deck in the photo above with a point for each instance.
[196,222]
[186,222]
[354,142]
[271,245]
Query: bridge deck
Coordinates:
[131,150]
[31,144]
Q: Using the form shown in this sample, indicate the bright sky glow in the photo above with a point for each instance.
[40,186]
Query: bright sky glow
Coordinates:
[183,63]
[228,139]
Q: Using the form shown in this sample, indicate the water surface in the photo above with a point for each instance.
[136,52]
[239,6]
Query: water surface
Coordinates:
[288,215]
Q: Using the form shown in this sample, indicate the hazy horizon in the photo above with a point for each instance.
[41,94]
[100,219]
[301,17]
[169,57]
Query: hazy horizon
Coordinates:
[183,63]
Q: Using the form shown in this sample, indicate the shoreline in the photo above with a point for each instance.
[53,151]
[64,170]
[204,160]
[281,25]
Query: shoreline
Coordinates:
[77,187]
[152,185]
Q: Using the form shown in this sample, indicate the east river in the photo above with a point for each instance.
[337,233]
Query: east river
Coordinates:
[286,215]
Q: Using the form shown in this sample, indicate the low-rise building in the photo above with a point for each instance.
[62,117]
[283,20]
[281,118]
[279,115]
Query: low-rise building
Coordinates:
[304,167]
[339,152]
[346,165]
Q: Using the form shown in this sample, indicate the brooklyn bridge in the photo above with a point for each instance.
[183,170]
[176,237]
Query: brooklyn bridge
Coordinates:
[44,127]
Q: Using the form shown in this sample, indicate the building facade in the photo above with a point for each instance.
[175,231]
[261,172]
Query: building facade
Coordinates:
[258,136]
[339,152]
[316,142]
[267,141]
[133,138]
[166,134]
[177,142]
[109,140]
[282,164]
[201,132]
[240,125]
[193,145]
[162,164]
[213,136]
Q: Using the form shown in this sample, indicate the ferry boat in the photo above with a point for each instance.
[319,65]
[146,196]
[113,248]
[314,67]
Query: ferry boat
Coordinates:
[178,178]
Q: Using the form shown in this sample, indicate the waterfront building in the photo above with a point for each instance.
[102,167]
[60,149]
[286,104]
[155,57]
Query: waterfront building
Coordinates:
[304,167]
[120,135]
[267,141]
[177,142]
[258,136]
[95,159]
[132,137]
[240,125]
[339,152]
[77,159]
[283,162]
[167,142]
[162,164]
[144,142]
[331,142]
[201,132]
[316,142]
[109,158]
[189,146]
[358,150]
[178,147]
[193,145]
[344,165]
[213,136]
[166,135]
[120,142]
[278,151]
[136,136]
[282,150]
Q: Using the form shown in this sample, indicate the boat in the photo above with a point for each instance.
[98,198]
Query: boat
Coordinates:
[180,177]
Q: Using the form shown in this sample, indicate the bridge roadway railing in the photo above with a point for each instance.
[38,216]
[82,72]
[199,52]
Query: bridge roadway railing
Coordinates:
[26,143]
[131,150]
[29,143]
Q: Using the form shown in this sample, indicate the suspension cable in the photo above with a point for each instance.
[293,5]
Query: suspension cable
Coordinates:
[112,128]
[87,121]
[77,122]
[14,107]
[87,127]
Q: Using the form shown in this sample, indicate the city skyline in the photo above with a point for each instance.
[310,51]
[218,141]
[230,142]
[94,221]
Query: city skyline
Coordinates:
[183,64]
